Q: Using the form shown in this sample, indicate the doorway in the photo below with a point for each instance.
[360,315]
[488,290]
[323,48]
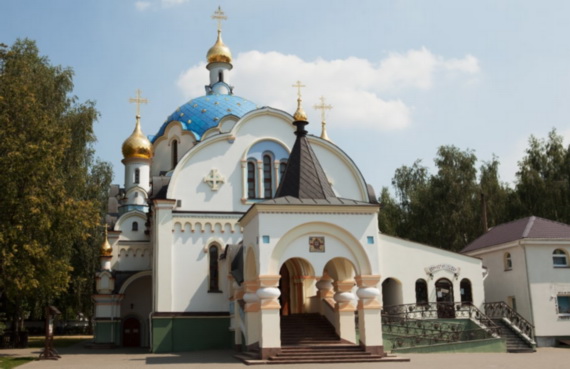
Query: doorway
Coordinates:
[444,296]
[285,287]
[131,333]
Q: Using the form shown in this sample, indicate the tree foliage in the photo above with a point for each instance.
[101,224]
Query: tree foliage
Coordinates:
[457,204]
[51,194]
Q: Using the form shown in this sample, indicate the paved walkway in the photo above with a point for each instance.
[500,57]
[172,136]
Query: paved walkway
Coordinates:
[78,357]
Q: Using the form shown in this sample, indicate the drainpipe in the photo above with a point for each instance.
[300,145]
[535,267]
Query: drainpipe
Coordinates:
[528,282]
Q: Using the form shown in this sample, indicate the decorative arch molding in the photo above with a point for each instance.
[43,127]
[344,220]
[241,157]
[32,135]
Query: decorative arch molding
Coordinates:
[216,241]
[337,151]
[206,226]
[167,137]
[360,260]
[138,189]
[131,214]
[134,277]
[247,152]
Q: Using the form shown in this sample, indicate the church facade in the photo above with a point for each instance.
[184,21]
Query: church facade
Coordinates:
[233,216]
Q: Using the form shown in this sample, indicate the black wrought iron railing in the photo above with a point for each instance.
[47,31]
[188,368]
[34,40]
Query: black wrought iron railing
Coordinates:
[418,325]
[499,310]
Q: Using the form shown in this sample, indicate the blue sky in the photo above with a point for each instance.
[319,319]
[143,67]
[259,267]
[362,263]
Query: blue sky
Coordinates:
[404,77]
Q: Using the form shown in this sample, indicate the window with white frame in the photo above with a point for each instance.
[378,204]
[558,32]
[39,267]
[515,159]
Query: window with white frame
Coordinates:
[251,180]
[214,282]
[137,179]
[267,176]
[559,258]
[508,261]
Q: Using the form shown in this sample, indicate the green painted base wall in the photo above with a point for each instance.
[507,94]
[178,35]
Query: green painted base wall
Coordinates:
[488,345]
[176,334]
[107,332]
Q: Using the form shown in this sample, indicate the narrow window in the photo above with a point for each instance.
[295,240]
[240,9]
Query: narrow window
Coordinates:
[267,177]
[282,168]
[508,262]
[559,259]
[174,152]
[135,226]
[421,292]
[466,291]
[221,76]
[214,284]
[250,180]
[137,176]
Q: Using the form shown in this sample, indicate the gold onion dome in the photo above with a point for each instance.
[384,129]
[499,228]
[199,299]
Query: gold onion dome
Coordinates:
[137,145]
[219,53]
[106,249]
[300,113]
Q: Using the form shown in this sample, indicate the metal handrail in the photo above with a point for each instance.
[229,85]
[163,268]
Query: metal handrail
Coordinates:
[500,309]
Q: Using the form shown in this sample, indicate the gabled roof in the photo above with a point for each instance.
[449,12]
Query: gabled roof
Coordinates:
[530,227]
[304,178]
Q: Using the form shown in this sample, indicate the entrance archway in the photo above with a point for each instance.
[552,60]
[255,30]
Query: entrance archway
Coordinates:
[444,298]
[391,292]
[137,305]
[297,286]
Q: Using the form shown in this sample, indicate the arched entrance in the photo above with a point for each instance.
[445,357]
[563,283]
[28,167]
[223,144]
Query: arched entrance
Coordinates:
[131,332]
[136,306]
[466,291]
[391,292]
[444,298]
[421,292]
[297,286]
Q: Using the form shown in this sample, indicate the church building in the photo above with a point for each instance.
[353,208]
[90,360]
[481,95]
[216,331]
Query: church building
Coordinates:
[232,217]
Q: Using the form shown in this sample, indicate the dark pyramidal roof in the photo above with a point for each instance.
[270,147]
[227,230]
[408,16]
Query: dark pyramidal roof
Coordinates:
[304,177]
[530,227]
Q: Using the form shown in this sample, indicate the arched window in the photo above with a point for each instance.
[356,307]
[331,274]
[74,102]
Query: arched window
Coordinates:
[282,168]
[466,292]
[267,177]
[421,292]
[214,285]
[251,180]
[559,258]
[137,176]
[508,262]
[174,153]
[135,226]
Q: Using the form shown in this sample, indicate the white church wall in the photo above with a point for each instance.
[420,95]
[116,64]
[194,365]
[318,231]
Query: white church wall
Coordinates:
[191,239]
[125,224]
[142,166]
[162,147]
[407,261]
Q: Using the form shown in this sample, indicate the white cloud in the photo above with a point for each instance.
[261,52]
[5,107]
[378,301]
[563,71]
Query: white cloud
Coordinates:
[170,3]
[142,5]
[357,88]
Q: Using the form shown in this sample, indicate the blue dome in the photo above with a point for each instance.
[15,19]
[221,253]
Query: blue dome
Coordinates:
[200,114]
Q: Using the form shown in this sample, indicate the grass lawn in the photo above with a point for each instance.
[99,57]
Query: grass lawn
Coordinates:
[58,341]
[12,362]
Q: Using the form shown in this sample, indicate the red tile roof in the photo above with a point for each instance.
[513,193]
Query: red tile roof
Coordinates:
[530,227]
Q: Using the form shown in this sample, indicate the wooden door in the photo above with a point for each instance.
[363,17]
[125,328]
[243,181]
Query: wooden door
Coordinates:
[132,333]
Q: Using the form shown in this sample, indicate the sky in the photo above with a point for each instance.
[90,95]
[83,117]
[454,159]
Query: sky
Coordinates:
[404,77]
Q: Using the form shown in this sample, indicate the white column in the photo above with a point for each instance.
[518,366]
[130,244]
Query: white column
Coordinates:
[344,309]
[369,318]
[162,273]
[251,309]
[268,294]
[244,181]
[260,187]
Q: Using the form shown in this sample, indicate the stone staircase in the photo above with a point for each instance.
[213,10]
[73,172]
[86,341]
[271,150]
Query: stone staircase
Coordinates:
[310,338]
[515,343]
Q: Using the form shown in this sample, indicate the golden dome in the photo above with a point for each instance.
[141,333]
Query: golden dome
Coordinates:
[106,249]
[137,145]
[219,53]
[300,113]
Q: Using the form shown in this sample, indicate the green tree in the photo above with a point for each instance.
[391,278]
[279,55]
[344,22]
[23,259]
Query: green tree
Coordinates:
[50,206]
[543,179]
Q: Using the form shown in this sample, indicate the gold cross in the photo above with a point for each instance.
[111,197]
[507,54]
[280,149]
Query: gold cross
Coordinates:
[323,107]
[298,85]
[138,100]
[219,16]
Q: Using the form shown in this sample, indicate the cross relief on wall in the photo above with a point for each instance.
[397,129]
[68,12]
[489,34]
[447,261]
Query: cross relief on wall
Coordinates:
[214,179]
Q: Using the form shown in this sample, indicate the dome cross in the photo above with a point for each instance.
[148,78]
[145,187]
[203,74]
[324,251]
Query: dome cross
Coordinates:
[219,15]
[323,108]
[138,100]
